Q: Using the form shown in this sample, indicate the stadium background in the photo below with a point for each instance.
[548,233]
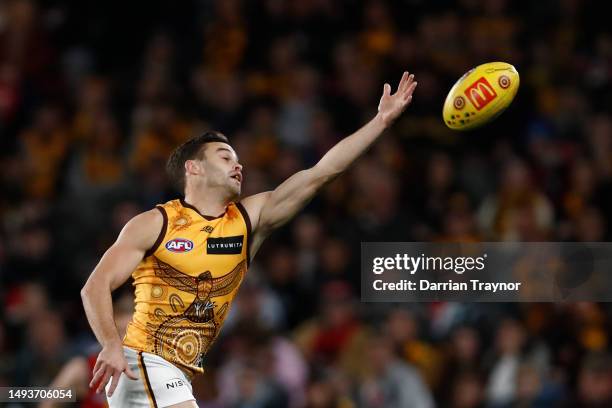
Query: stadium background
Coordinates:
[94,95]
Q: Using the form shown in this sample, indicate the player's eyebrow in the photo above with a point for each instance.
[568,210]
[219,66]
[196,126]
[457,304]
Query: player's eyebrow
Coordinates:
[228,150]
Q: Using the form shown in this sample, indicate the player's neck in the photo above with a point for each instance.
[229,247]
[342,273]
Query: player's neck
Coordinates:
[206,202]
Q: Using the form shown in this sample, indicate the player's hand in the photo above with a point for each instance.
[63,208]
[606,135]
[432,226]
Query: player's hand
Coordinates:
[391,106]
[110,364]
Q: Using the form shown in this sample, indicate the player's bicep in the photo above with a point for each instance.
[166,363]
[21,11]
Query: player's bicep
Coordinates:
[291,196]
[120,260]
[117,264]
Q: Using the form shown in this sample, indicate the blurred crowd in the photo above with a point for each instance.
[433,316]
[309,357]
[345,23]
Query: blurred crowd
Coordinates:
[94,96]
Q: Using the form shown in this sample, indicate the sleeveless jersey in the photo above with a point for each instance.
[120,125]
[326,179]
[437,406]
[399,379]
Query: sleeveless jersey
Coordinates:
[186,282]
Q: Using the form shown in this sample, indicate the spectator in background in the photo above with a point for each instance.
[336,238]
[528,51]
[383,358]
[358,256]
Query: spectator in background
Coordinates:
[463,364]
[92,101]
[44,148]
[590,226]
[255,390]
[335,264]
[156,139]
[594,382]
[257,304]
[225,38]
[321,394]
[98,167]
[298,109]
[308,236]
[25,44]
[437,191]
[388,382]
[509,340]
[281,272]
[30,254]
[403,330]
[336,337]
[532,389]
[267,370]
[45,349]
[519,211]
[467,391]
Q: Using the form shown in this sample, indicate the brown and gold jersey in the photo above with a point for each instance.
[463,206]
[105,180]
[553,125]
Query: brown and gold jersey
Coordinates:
[185,284]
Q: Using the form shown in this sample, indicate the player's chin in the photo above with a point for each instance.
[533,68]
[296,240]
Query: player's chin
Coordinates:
[235,190]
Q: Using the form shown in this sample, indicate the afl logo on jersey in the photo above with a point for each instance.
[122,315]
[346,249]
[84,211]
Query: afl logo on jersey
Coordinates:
[179,245]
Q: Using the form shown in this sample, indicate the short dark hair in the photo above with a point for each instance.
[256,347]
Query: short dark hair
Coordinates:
[191,149]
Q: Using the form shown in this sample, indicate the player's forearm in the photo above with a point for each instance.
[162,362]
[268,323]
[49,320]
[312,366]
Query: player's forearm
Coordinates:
[293,194]
[98,305]
[345,152]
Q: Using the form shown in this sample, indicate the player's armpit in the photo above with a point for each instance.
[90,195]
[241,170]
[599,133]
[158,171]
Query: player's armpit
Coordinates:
[253,205]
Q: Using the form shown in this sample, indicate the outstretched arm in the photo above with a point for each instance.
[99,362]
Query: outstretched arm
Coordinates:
[272,209]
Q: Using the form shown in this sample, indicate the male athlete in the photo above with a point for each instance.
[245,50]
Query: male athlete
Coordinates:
[189,256]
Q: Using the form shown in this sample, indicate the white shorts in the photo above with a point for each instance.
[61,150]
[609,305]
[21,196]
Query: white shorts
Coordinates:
[160,383]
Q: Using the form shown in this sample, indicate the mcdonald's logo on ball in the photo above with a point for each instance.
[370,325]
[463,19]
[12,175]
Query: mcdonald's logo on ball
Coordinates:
[488,90]
[480,93]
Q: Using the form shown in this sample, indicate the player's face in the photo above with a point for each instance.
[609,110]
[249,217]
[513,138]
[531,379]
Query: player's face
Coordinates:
[222,168]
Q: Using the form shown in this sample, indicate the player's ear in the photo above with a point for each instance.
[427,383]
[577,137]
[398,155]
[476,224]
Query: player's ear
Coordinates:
[192,167]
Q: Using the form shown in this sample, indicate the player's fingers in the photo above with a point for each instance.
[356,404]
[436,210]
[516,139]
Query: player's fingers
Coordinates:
[97,365]
[387,90]
[114,382]
[408,84]
[130,374]
[411,88]
[96,377]
[407,98]
[104,381]
[404,81]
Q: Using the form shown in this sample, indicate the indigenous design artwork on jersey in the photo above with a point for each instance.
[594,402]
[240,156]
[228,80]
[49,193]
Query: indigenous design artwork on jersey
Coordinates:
[181,222]
[185,338]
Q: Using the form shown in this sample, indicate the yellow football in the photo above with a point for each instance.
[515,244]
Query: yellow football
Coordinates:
[480,95]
